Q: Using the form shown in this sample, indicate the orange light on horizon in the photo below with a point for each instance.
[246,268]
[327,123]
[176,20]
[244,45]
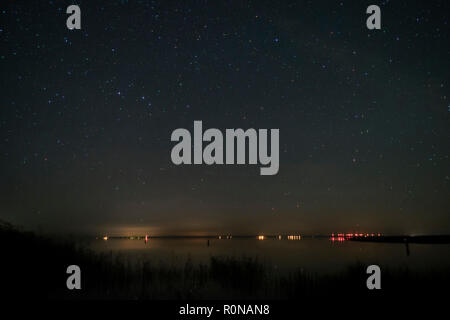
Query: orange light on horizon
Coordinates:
[105,238]
[261,237]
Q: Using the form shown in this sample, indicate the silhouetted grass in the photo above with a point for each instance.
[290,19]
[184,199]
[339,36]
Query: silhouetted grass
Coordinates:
[34,267]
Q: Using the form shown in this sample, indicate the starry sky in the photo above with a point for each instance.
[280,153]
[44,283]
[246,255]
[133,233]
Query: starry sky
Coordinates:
[86,116]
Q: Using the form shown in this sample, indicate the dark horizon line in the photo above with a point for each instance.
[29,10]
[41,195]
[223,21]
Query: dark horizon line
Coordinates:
[276,236]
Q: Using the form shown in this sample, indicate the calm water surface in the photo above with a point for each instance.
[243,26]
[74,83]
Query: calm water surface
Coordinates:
[312,254]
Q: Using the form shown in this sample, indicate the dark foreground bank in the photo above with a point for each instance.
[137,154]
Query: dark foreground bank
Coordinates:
[34,267]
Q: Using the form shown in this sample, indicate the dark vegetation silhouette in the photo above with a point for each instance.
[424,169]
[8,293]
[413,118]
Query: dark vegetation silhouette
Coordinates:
[34,267]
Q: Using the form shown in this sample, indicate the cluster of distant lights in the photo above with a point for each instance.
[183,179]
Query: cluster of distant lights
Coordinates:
[260,237]
[280,237]
[146,238]
[334,236]
[225,237]
[347,236]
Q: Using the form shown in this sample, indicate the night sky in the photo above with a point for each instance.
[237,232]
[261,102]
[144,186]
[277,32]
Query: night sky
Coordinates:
[86,116]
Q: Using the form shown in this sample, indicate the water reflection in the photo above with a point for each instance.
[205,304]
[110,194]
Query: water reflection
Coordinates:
[313,254]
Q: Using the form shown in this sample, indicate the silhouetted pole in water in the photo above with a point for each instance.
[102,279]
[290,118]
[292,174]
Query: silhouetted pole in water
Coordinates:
[207,243]
[407,247]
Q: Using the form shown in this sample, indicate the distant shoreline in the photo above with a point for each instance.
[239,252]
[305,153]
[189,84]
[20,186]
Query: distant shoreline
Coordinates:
[425,239]
[438,239]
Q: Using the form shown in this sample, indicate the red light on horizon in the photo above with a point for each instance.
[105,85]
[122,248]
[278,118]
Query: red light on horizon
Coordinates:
[339,239]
